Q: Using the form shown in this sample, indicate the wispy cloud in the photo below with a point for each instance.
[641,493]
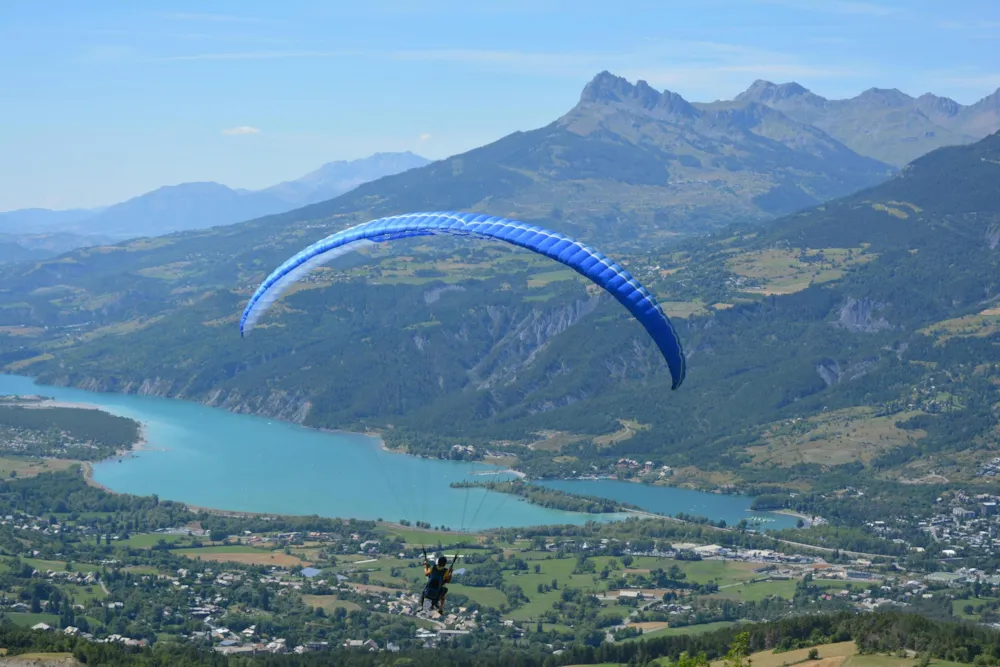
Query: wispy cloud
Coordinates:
[694,66]
[700,67]
[975,29]
[107,53]
[424,137]
[207,18]
[705,82]
[522,62]
[842,7]
[427,7]
[263,55]
[977,82]
[527,62]
[241,130]
[969,25]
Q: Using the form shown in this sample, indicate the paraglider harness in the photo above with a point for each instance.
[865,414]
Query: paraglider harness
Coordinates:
[435,588]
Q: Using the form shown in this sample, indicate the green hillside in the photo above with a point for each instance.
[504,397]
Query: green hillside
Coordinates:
[869,321]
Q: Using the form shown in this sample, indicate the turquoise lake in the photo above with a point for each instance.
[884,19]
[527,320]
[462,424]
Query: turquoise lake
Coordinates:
[670,501]
[213,458]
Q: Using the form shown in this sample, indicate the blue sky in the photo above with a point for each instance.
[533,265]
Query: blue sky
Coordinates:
[103,100]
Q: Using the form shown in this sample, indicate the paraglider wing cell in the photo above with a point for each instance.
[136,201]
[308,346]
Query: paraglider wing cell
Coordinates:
[582,259]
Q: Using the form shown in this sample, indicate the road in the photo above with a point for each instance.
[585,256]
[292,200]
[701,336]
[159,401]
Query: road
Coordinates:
[856,554]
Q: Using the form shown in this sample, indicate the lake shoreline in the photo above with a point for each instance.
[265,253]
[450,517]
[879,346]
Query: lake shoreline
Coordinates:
[113,474]
[140,445]
[798,515]
[376,433]
[42,402]
[242,514]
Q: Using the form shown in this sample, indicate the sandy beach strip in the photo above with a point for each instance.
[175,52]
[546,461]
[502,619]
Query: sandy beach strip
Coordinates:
[37,402]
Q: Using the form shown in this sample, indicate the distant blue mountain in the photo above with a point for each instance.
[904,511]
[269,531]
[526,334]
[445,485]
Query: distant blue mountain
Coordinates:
[335,178]
[193,206]
[180,207]
[32,219]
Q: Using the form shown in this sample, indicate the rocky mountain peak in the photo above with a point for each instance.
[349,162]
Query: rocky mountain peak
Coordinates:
[766,91]
[606,88]
[944,106]
[991,101]
[884,97]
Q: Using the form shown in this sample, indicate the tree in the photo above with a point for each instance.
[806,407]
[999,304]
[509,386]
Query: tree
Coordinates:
[739,652]
[687,660]
[814,653]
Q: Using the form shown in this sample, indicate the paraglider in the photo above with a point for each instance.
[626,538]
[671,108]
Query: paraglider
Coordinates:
[575,255]
[438,574]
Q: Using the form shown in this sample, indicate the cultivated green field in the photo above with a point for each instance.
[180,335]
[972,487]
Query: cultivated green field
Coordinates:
[147,540]
[24,619]
[57,565]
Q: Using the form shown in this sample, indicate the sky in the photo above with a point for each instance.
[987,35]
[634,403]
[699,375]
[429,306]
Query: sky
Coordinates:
[105,100]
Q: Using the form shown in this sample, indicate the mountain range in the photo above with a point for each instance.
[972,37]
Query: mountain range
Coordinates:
[884,124]
[626,157]
[189,206]
[850,338]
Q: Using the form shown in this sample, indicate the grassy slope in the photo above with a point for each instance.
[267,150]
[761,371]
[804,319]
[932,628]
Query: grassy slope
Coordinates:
[759,355]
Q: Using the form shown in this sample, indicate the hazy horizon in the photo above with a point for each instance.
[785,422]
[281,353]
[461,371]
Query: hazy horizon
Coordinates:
[252,94]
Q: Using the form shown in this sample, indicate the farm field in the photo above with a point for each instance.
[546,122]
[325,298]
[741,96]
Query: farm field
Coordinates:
[26,620]
[836,438]
[419,536]
[683,630]
[148,540]
[57,565]
[242,554]
[759,590]
[785,271]
[29,467]
[328,603]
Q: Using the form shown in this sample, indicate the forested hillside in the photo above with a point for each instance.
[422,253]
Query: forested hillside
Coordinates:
[857,335]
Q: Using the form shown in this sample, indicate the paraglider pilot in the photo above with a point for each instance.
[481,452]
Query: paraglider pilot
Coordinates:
[437,576]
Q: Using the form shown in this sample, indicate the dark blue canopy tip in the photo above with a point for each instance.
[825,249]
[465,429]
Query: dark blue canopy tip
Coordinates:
[584,260]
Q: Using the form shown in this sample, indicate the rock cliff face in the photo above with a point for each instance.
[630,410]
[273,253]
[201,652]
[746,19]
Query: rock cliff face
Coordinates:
[829,371]
[520,337]
[277,404]
[285,405]
[518,347]
[993,236]
[862,316]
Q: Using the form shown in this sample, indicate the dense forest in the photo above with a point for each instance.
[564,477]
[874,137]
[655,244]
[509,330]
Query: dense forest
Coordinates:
[67,432]
[880,632]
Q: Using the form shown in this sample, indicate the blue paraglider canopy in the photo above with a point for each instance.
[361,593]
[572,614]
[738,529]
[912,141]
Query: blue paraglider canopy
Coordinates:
[577,256]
